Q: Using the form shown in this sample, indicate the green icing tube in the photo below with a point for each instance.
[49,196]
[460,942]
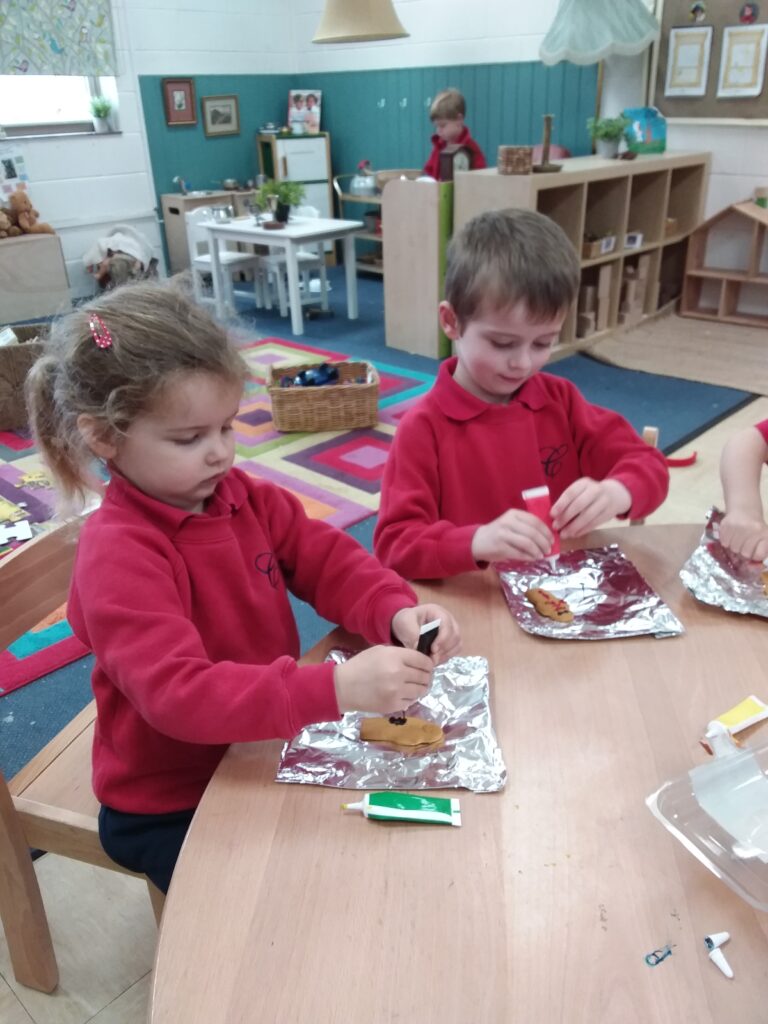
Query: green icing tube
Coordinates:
[431,810]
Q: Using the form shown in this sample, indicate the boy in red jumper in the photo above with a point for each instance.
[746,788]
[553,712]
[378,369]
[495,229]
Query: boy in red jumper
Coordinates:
[181,580]
[493,426]
[743,528]
[447,115]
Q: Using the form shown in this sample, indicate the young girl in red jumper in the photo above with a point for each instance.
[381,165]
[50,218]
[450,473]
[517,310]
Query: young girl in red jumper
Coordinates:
[181,580]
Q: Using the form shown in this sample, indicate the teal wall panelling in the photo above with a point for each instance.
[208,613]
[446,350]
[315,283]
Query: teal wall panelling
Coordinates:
[505,105]
[186,150]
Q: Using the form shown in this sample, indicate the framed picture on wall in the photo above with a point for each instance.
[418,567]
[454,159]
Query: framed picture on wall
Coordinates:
[688,61]
[179,101]
[304,111]
[742,63]
[221,115]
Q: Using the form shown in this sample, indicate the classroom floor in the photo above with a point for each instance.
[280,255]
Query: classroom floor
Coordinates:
[103,929]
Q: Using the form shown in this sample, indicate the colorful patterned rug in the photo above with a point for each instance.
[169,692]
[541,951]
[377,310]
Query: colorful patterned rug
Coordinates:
[336,475]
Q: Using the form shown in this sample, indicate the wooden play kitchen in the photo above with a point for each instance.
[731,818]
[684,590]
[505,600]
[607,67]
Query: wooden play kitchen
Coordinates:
[639,212]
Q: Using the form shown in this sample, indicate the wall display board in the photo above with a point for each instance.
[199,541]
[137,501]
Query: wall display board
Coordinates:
[709,62]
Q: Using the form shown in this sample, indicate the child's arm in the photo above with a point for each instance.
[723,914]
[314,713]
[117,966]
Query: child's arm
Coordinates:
[410,536]
[743,529]
[621,474]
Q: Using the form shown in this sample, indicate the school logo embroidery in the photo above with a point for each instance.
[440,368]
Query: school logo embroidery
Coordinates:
[552,459]
[266,564]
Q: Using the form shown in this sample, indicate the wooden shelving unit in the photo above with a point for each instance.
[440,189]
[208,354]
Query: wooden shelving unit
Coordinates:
[726,273]
[371,261]
[660,196]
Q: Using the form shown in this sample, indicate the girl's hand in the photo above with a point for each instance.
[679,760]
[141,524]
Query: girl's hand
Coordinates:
[382,679]
[514,535]
[587,504]
[407,622]
[744,536]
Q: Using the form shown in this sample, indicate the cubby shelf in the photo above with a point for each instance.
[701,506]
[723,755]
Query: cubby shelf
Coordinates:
[726,272]
[661,196]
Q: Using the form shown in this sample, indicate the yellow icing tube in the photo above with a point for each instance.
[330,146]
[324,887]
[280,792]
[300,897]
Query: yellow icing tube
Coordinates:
[430,810]
[748,712]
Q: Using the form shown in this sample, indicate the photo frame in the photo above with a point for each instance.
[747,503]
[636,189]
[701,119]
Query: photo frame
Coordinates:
[688,61]
[179,101]
[742,63]
[221,115]
[304,106]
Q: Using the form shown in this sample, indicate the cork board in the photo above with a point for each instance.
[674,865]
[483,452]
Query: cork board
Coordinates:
[720,14]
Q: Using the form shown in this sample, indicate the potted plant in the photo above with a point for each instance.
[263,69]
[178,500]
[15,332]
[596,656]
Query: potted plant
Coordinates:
[100,111]
[278,197]
[607,133]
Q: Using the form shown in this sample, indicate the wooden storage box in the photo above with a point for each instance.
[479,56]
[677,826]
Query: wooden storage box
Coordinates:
[15,363]
[515,160]
[340,406]
[592,249]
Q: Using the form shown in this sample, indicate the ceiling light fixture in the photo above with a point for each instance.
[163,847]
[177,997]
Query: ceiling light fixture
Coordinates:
[358,21]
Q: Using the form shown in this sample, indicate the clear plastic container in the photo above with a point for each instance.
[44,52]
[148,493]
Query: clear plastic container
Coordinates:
[719,812]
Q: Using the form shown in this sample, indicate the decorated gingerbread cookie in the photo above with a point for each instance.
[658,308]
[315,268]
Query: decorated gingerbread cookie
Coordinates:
[548,605]
[401,731]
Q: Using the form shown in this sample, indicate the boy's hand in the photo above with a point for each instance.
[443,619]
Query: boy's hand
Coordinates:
[383,679]
[408,621]
[515,535]
[745,536]
[587,504]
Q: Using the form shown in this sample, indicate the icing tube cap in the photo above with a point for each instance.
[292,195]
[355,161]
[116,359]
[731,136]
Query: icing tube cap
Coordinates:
[713,943]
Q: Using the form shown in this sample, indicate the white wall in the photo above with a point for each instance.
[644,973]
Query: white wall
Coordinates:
[85,184]
[441,32]
[739,151]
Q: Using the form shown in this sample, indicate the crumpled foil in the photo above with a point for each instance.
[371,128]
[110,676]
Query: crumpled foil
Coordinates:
[332,753]
[607,595]
[716,576]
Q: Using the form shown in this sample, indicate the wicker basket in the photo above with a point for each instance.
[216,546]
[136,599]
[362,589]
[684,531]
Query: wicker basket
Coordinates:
[339,406]
[15,363]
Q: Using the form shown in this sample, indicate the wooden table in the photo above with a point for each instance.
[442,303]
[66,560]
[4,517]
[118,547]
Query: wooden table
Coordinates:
[300,231]
[542,907]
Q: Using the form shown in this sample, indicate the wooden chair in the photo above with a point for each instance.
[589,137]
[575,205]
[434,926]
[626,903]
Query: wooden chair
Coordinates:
[49,805]
[651,436]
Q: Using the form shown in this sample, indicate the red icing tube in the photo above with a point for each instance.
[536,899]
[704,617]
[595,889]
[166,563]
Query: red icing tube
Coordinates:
[538,503]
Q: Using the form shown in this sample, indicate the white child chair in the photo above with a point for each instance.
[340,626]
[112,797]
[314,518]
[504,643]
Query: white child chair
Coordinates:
[274,267]
[232,262]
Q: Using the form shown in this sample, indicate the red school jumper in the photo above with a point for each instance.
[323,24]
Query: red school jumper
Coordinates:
[194,637]
[477,160]
[458,462]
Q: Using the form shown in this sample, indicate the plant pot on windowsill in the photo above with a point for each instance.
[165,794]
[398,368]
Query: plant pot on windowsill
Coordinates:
[100,124]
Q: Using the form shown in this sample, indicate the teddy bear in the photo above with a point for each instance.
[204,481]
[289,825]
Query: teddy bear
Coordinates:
[24,215]
[5,224]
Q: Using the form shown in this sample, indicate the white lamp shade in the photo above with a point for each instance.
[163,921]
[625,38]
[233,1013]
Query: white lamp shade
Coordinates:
[358,21]
[587,31]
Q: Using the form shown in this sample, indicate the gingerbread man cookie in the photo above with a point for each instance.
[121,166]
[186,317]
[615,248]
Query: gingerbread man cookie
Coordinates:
[401,731]
[548,605]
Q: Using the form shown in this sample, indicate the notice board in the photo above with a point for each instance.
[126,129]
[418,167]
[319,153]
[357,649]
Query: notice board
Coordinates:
[712,18]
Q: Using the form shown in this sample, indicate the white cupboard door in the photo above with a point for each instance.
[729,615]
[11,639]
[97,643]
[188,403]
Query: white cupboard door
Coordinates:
[317,195]
[302,159]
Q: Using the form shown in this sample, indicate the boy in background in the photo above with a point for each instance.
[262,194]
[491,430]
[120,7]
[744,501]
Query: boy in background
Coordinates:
[493,425]
[447,115]
[743,529]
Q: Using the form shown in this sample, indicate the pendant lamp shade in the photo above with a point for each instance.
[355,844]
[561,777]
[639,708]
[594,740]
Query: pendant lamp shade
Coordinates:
[358,21]
[587,31]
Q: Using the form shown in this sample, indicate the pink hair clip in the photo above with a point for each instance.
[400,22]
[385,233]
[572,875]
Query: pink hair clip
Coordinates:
[99,331]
